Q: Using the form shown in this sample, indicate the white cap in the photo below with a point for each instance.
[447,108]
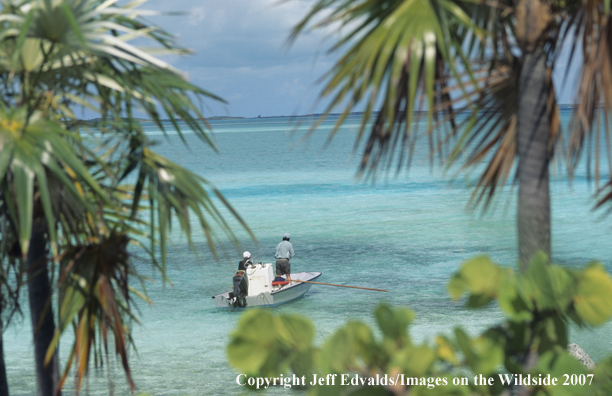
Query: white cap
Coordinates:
[286,235]
[246,255]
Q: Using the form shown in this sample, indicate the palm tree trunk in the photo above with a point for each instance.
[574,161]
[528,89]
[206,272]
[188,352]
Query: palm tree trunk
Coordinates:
[4,390]
[533,150]
[41,311]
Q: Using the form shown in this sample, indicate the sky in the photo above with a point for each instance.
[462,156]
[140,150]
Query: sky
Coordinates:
[241,54]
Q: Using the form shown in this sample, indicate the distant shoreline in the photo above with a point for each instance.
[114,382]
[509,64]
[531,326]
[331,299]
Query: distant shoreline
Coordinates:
[223,118]
[313,115]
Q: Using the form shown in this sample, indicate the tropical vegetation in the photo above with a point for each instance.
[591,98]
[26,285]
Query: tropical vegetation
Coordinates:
[493,60]
[482,73]
[539,306]
[80,201]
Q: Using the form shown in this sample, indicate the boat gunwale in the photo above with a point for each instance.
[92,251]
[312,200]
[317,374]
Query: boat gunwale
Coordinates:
[297,283]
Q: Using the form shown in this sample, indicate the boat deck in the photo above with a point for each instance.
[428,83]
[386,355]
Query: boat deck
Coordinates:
[278,295]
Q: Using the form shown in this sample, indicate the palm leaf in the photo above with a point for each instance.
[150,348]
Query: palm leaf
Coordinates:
[590,29]
[401,50]
[174,190]
[594,96]
[95,299]
[452,60]
[33,153]
[54,57]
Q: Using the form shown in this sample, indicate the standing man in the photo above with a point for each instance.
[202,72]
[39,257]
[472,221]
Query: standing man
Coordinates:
[284,252]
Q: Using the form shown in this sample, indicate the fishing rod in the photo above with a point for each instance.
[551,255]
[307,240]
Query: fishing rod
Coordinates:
[332,284]
[305,262]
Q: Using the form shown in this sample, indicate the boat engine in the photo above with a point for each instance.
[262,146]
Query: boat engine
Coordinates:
[238,296]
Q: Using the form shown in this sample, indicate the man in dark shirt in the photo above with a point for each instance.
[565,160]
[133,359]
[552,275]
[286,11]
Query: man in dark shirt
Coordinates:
[247,261]
[241,284]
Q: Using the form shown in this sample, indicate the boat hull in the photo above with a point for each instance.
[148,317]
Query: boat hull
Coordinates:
[271,299]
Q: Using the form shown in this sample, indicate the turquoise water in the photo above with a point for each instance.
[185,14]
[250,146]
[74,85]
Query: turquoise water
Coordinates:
[407,233]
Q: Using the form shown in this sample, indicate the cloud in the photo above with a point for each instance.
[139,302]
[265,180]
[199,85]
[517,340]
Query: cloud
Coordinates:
[291,88]
[219,21]
[241,53]
[240,31]
[197,15]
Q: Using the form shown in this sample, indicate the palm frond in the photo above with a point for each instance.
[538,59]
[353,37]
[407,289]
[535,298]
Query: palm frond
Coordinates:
[95,300]
[31,154]
[174,192]
[84,46]
[57,56]
[594,96]
[453,61]
[402,56]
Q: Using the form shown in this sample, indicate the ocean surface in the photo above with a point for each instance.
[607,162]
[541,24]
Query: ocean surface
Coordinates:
[406,233]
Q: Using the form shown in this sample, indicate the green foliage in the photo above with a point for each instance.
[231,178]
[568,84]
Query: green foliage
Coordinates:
[33,151]
[480,277]
[57,58]
[593,299]
[399,56]
[532,340]
[265,343]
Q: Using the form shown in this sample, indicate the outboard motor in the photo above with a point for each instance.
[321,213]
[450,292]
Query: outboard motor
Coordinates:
[238,296]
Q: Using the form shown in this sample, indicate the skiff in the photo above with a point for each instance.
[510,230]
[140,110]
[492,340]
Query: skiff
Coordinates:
[258,288]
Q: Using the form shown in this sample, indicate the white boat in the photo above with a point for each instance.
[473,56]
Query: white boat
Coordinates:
[262,290]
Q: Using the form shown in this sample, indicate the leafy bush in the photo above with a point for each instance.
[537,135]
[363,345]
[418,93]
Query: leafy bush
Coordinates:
[529,347]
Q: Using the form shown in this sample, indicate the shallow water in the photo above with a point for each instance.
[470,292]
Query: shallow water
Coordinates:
[406,234]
